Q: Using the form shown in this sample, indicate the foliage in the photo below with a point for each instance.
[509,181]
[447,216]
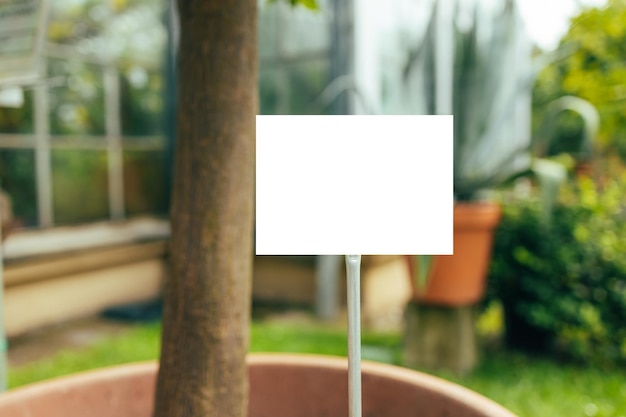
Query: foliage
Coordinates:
[491,82]
[309,4]
[18,120]
[491,85]
[78,106]
[595,71]
[109,30]
[79,184]
[563,285]
[17,170]
[141,102]
[145,179]
[302,82]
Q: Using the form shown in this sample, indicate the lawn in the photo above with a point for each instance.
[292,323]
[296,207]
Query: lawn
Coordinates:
[528,386]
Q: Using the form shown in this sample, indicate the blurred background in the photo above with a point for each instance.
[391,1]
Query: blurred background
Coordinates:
[538,91]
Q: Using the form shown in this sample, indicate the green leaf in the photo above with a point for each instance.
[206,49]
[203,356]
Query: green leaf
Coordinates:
[309,4]
[551,175]
[422,272]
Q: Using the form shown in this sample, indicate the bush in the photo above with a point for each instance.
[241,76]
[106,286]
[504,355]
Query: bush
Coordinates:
[563,283]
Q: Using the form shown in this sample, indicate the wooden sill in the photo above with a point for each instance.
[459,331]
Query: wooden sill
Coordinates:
[70,263]
[33,256]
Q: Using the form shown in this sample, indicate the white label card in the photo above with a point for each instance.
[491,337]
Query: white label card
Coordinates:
[371,185]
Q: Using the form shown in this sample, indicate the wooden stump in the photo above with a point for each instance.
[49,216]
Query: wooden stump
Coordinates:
[439,337]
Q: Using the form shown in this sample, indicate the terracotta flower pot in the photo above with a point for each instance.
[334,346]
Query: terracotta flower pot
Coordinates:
[280,386]
[459,279]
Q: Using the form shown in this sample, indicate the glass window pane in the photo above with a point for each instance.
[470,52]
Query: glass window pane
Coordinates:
[142,102]
[124,29]
[307,80]
[72,21]
[294,88]
[272,92]
[18,120]
[304,31]
[146,183]
[79,186]
[77,106]
[17,176]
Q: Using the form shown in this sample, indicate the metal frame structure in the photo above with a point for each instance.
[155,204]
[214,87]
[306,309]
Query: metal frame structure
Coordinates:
[42,142]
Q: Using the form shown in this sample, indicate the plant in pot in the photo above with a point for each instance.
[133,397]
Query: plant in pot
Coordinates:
[566,306]
[474,61]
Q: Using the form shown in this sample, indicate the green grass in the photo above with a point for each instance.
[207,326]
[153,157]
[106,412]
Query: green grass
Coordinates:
[139,344]
[529,387]
[538,387]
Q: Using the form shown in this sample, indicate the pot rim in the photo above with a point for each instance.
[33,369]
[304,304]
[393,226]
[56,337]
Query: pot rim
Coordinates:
[472,399]
[425,381]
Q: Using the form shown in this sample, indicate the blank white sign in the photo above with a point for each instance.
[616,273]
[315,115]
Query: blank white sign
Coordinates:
[333,185]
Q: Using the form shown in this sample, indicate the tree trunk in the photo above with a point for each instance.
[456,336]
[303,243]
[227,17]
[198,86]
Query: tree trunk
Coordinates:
[207,297]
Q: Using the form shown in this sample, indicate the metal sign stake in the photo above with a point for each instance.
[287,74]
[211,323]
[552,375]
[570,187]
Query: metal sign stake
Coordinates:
[353,268]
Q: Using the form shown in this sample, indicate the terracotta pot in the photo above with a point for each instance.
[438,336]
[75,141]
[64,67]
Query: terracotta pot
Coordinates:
[459,279]
[280,386]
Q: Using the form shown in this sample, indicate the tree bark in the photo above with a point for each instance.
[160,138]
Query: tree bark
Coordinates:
[207,297]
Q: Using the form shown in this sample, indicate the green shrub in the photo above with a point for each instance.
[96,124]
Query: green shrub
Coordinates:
[563,283]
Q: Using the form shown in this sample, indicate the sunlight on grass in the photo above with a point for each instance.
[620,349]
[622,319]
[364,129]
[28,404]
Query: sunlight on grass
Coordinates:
[491,322]
[536,387]
[138,344]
